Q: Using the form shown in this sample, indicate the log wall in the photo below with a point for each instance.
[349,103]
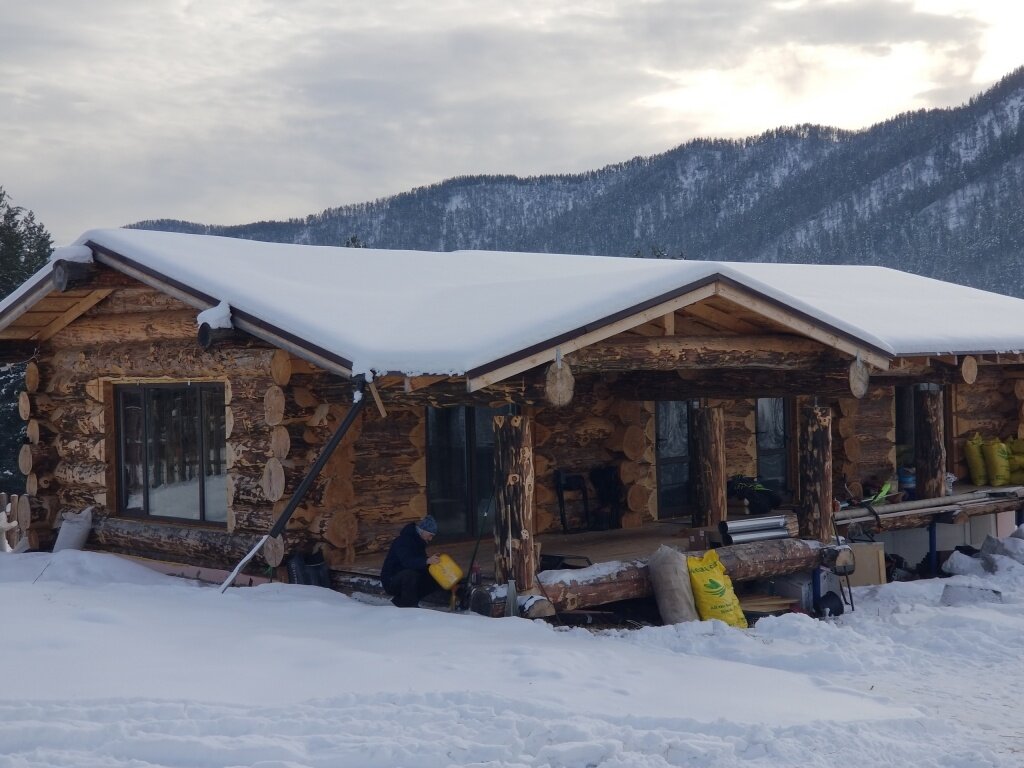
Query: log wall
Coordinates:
[864,438]
[991,406]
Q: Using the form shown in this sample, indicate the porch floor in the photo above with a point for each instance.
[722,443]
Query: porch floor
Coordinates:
[599,546]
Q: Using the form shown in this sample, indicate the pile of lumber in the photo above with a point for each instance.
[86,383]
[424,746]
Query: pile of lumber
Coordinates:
[956,509]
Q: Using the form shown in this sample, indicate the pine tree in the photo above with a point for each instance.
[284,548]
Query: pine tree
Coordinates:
[25,245]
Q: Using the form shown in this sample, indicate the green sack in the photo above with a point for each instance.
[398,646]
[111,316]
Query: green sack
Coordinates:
[1016,446]
[975,460]
[997,461]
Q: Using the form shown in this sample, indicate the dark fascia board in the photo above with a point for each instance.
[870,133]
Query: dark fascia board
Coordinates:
[716,277]
[241,320]
[38,290]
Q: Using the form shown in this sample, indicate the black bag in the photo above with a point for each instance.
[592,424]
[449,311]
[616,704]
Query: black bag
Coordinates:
[760,499]
[309,569]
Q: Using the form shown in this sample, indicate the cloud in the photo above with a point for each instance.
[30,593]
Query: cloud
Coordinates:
[114,110]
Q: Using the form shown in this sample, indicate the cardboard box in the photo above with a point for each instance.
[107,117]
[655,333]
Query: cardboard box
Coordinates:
[870,561]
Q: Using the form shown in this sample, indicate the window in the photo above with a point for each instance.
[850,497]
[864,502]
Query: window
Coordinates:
[171,451]
[673,454]
[460,468]
[773,443]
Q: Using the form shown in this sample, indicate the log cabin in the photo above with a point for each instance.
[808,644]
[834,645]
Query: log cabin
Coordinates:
[548,410]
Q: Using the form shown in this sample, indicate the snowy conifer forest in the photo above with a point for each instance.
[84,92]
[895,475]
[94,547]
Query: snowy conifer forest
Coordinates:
[937,192]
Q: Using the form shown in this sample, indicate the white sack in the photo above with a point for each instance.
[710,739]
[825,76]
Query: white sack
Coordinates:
[74,530]
[671,581]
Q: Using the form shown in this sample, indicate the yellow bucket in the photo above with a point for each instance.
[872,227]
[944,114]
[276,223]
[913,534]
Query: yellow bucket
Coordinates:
[446,572]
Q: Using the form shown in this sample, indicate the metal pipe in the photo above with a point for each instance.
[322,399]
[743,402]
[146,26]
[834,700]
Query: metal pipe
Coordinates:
[903,506]
[752,524]
[745,538]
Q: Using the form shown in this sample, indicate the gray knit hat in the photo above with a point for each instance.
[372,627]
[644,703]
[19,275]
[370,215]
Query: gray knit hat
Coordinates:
[428,524]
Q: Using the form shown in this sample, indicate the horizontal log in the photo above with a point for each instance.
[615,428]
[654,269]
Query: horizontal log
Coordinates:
[92,474]
[36,457]
[179,359]
[81,420]
[205,547]
[663,385]
[130,328]
[138,299]
[34,512]
[599,584]
[669,353]
[75,449]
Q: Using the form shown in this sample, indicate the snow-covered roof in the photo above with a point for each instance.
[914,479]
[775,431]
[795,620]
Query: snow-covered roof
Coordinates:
[425,312]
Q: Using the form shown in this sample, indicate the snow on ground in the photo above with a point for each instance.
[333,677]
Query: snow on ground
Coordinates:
[110,664]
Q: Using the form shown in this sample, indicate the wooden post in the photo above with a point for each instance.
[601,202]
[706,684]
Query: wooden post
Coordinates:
[929,442]
[816,473]
[514,553]
[709,424]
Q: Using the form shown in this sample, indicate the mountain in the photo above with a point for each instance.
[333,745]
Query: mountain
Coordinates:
[936,192]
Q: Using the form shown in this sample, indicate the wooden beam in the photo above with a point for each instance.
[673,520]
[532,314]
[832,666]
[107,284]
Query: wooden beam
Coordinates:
[548,350]
[929,443]
[665,353]
[515,555]
[732,384]
[79,309]
[816,473]
[668,323]
[709,425]
[802,325]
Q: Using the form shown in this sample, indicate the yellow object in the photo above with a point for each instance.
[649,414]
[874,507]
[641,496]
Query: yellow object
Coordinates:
[712,590]
[446,572]
[975,460]
[997,461]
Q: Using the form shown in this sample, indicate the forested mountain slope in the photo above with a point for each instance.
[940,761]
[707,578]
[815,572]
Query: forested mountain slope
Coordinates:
[937,192]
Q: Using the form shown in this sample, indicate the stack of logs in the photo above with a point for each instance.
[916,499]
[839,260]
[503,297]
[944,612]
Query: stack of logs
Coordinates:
[39,534]
[632,446]
[863,440]
[38,460]
[275,427]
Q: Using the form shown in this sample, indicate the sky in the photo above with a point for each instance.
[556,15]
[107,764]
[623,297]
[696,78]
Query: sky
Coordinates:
[111,664]
[232,111]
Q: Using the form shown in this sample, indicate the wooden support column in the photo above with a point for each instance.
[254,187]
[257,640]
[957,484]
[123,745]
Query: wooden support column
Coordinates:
[709,424]
[929,442]
[816,473]
[515,555]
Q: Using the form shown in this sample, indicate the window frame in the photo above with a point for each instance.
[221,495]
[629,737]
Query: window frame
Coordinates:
[474,473]
[788,450]
[661,461]
[194,389]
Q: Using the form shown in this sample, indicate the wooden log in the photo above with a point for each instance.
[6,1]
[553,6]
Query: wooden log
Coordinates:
[139,299]
[280,406]
[515,556]
[246,388]
[245,489]
[599,585]
[816,473]
[559,384]
[860,378]
[69,274]
[671,353]
[75,449]
[198,546]
[630,440]
[37,482]
[86,419]
[253,449]
[133,328]
[638,499]
[281,367]
[929,442]
[31,376]
[34,512]
[24,406]
[178,359]
[968,369]
[75,498]
[244,417]
[709,428]
[664,385]
[86,473]
[36,456]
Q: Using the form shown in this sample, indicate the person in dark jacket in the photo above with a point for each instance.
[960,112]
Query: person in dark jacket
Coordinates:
[404,573]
